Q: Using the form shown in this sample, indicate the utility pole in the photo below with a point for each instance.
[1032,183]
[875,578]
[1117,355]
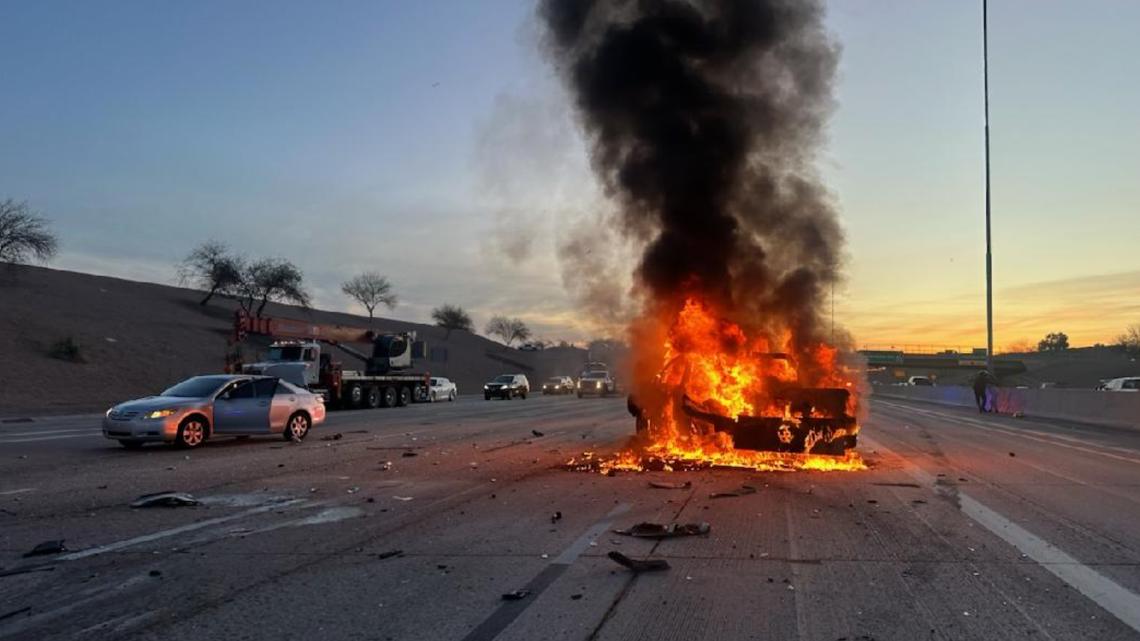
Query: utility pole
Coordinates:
[989,253]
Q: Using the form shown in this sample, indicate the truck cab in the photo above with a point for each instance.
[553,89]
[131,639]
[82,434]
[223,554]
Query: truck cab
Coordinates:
[297,362]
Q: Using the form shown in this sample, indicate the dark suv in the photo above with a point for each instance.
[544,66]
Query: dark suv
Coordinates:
[507,386]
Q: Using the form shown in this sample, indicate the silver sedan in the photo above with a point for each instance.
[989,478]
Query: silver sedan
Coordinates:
[209,406]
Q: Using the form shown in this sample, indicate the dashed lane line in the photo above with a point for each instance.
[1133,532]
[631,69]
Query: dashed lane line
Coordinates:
[1108,594]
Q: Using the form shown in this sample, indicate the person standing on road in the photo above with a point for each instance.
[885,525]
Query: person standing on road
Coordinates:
[980,384]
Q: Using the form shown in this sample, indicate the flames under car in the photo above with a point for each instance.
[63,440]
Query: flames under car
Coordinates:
[815,421]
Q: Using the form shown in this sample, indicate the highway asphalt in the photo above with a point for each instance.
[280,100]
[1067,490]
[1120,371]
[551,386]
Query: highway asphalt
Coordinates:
[416,522]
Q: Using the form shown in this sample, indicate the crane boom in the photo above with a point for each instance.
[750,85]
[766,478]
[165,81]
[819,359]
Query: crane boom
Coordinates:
[245,324]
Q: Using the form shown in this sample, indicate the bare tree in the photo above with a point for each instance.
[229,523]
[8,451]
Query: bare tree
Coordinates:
[211,266]
[273,279]
[452,317]
[24,234]
[370,289]
[1129,341]
[508,329]
[1054,342]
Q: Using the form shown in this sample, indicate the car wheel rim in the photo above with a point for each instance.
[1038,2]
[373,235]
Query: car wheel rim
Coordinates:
[297,427]
[192,434]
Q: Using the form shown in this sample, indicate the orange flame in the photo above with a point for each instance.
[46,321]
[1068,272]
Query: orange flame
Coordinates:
[711,364]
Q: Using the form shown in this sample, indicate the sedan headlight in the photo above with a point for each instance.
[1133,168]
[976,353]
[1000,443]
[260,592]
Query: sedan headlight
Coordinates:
[159,414]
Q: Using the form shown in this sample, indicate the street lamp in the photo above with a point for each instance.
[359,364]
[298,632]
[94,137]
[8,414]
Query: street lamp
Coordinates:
[989,253]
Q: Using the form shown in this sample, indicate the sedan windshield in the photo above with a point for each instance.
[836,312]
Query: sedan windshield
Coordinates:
[197,387]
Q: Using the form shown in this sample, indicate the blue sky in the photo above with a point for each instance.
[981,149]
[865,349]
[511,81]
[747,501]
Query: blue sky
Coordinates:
[421,139]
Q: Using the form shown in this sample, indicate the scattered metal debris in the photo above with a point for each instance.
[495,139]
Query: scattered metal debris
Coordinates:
[47,547]
[165,499]
[517,595]
[333,437]
[638,565]
[155,573]
[403,498]
[389,554]
[1011,454]
[659,531]
[897,484]
[744,489]
[537,433]
[575,597]
[409,454]
[557,516]
[666,485]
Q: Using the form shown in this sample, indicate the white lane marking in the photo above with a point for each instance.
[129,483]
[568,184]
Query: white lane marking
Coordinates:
[581,543]
[162,534]
[74,430]
[19,491]
[1040,437]
[50,438]
[1118,600]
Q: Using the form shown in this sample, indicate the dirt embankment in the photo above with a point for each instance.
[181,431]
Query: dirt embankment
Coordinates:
[137,338]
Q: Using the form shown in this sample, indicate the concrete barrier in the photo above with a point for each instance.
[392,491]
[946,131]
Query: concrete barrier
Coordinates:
[1115,409]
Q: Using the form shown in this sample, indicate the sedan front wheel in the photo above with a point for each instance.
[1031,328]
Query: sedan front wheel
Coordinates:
[191,433]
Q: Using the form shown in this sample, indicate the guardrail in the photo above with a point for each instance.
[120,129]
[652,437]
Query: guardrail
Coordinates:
[1114,409]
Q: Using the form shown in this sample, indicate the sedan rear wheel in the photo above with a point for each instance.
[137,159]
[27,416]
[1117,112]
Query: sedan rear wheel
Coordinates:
[191,433]
[296,428]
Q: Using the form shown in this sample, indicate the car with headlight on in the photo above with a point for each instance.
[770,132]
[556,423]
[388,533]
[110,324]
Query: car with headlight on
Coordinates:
[558,385]
[205,407]
[507,386]
[600,383]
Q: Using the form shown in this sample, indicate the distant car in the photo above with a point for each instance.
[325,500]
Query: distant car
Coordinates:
[532,347]
[204,407]
[920,381]
[558,385]
[1124,384]
[507,386]
[600,383]
[442,389]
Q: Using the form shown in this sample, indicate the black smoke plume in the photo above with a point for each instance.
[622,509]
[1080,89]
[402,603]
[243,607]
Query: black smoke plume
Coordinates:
[704,119]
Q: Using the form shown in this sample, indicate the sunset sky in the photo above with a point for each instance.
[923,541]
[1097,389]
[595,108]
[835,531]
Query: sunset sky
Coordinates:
[431,141]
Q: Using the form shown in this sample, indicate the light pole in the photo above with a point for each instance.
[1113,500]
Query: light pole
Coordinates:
[989,253]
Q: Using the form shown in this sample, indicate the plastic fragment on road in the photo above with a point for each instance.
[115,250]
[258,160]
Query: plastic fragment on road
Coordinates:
[639,565]
[660,531]
[516,595]
[387,555]
[537,433]
[47,547]
[403,498]
[666,485]
[744,489]
[333,437]
[165,499]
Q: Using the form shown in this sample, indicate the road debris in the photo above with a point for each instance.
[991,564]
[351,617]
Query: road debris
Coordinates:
[575,597]
[659,531]
[47,547]
[333,437]
[557,516]
[517,595]
[537,433]
[403,498]
[9,615]
[389,554]
[1011,454]
[638,565]
[354,489]
[165,499]
[409,454]
[155,573]
[744,489]
[666,485]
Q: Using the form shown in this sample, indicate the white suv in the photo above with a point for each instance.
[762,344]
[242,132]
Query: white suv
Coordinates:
[1125,384]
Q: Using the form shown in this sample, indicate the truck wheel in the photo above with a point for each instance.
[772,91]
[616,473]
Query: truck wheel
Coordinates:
[191,433]
[374,398]
[522,395]
[451,396]
[389,398]
[355,396]
[296,428]
[405,396]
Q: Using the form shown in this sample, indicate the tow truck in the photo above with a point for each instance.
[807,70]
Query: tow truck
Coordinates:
[298,355]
